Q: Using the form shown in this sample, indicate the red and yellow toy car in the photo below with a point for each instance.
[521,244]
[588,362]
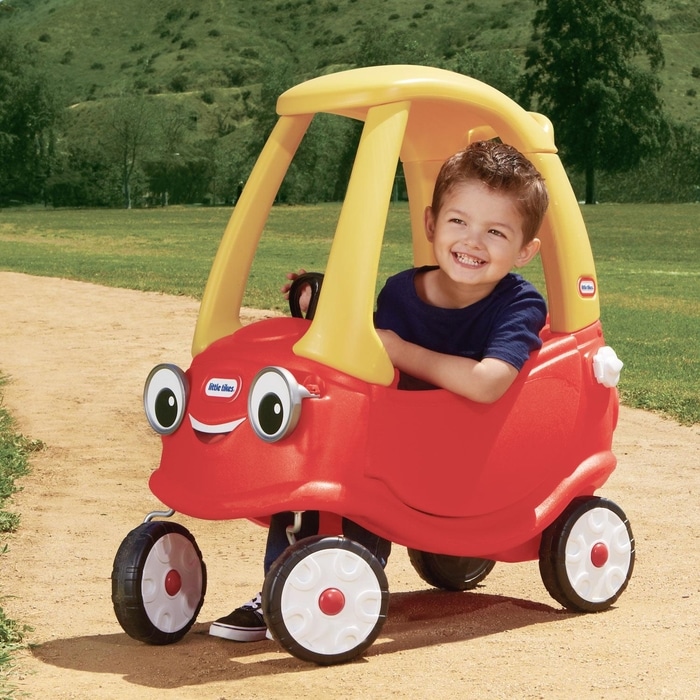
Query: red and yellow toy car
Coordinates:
[294,414]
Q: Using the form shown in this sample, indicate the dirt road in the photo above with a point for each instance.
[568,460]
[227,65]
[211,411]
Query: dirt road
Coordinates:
[77,356]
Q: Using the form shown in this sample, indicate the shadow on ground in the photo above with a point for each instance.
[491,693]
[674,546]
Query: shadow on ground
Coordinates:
[416,620]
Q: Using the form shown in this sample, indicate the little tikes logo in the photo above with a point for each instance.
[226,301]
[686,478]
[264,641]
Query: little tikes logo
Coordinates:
[222,388]
[586,287]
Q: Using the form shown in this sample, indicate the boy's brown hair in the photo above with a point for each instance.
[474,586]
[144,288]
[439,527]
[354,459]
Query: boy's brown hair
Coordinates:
[503,168]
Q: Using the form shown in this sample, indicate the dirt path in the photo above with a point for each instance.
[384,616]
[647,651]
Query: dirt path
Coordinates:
[77,356]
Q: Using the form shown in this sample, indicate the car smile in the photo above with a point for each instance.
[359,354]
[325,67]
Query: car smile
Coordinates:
[218,429]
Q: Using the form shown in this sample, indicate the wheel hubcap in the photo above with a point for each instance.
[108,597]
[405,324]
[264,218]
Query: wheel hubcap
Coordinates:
[331,601]
[173,582]
[599,555]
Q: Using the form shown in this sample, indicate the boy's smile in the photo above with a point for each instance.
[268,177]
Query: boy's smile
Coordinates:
[467,260]
[477,240]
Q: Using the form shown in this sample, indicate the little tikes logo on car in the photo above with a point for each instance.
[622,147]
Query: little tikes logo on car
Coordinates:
[222,388]
[586,287]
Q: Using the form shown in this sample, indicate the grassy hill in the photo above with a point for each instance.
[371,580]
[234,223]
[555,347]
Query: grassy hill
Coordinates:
[98,49]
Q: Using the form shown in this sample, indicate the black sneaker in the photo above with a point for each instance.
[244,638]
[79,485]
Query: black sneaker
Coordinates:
[244,624]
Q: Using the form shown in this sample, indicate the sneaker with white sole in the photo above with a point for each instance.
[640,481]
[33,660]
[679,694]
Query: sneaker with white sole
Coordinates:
[244,624]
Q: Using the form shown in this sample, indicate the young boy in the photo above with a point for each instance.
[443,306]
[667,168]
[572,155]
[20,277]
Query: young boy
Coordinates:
[467,324]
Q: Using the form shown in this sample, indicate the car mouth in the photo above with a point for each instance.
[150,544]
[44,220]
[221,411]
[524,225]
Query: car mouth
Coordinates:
[468,260]
[208,433]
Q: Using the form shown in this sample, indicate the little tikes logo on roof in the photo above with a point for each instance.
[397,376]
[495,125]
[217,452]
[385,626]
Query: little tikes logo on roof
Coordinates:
[222,388]
[586,287]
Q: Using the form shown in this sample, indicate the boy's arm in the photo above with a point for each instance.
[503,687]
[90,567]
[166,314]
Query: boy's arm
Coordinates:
[484,381]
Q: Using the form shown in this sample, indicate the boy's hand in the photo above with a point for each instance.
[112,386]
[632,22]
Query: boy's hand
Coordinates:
[304,297]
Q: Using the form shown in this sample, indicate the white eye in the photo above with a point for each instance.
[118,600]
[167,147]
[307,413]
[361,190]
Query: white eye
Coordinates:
[274,403]
[165,397]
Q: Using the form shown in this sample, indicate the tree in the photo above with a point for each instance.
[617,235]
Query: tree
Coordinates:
[29,113]
[498,68]
[166,167]
[585,71]
[320,169]
[128,136]
[380,47]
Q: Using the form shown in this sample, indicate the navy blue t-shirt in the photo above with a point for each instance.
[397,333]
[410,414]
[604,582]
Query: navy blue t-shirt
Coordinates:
[505,324]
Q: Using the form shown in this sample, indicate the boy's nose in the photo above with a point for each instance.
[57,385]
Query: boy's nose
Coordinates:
[473,238]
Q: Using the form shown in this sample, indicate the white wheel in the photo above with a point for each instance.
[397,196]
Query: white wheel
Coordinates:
[171,583]
[158,582]
[326,599]
[587,555]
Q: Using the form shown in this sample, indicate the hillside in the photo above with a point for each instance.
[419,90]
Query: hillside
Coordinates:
[98,49]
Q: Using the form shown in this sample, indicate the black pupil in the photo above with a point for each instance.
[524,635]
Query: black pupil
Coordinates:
[166,407]
[270,413]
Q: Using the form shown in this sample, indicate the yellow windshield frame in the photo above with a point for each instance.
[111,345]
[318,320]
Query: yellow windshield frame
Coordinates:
[421,116]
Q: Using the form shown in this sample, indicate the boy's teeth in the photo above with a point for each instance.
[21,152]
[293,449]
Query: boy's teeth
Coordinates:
[468,260]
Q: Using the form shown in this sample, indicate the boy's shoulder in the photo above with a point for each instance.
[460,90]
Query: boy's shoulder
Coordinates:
[514,284]
[404,281]
[411,272]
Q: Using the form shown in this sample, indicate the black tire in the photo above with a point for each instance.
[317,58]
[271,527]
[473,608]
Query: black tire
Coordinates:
[158,582]
[325,600]
[587,555]
[450,573]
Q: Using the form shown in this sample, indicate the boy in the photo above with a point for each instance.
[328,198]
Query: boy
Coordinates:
[467,324]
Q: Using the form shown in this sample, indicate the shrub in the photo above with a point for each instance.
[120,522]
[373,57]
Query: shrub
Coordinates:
[174,14]
[179,83]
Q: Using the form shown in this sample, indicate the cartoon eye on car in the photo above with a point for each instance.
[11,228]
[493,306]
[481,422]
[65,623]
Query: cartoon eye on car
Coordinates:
[297,414]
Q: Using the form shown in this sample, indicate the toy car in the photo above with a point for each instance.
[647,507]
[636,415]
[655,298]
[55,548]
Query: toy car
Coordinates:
[298,414]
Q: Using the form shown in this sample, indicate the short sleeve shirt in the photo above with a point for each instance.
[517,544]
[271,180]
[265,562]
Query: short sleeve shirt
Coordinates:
[504,325]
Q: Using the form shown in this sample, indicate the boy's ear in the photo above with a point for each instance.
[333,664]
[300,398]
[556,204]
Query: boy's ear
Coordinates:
[527,252]
[429,223]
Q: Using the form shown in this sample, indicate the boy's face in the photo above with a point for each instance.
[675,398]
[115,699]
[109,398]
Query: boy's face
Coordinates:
[477,236]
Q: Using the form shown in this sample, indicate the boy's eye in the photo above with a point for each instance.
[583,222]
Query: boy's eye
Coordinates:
[495,232]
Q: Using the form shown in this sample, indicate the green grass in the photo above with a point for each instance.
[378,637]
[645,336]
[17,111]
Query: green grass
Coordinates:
[647,261]
[646,258]
[14,451]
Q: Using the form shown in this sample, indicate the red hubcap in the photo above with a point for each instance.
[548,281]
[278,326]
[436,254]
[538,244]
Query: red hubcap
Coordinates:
[173,583]
[331,601]
[599,554]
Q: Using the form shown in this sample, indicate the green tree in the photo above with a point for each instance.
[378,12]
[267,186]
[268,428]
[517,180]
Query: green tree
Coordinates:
[165,169]
[29,112]
[500,69]
[380,47]
[319,170]
[128,137]
[592,68]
